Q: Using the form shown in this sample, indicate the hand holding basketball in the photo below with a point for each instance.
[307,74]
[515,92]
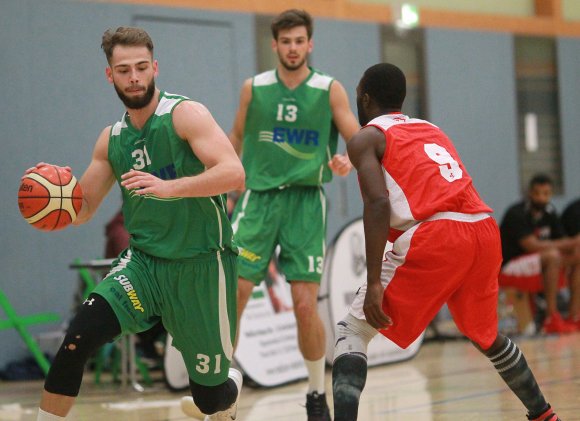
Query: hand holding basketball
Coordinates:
[49,197]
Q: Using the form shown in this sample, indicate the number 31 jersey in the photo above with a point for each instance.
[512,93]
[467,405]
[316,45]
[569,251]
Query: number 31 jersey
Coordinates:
[423,172]
[170,228]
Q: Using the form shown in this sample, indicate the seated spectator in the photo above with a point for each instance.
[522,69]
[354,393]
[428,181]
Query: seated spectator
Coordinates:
[536,250]
[571,222]
[571,218]
[117,237]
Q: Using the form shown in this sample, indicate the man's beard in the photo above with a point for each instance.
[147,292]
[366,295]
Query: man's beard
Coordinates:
[538,206]
[362,117]
[292,67]
[136,103]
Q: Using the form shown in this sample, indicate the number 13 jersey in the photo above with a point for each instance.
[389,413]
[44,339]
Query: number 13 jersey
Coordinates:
[289,134]
[423,172]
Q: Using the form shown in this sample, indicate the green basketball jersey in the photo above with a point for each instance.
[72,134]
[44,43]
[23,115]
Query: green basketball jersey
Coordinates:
[170,228]
[289,135]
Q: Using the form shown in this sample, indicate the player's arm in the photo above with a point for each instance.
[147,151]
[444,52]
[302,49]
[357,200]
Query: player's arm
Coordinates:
[97,180]
[366,150]
[237,133]
[224,172]
[346,123]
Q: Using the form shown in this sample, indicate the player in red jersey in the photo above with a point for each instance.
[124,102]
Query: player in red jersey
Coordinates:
[446,247]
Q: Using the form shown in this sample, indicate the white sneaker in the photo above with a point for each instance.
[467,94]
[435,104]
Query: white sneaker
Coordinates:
[230,413]
[190,409]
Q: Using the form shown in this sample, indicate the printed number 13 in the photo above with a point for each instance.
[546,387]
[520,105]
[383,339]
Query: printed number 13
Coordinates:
[449,167]
[315,265]
[287,113]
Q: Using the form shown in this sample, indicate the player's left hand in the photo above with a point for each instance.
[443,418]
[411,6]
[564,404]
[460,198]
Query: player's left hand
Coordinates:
[43,164]
[142,183]
[373,307]
[340,165]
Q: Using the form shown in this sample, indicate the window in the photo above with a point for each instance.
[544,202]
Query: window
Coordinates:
[539,141]
[266,58]
[404,48]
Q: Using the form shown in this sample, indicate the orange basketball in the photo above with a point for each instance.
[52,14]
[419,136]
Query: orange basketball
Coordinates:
[50,198]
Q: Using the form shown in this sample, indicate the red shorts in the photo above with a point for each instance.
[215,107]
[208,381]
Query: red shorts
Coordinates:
[454,261]
[525,273]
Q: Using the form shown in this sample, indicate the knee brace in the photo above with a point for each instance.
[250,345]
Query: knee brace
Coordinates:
[352,336]
[94,325]
[211,399]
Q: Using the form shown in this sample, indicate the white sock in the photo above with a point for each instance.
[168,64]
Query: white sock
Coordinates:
[45,416]
[316,375]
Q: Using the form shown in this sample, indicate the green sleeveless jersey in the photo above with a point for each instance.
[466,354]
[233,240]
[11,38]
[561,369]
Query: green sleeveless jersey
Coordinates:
[289,135]
[170,228]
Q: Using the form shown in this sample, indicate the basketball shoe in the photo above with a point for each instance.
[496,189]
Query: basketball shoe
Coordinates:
[554,323]
[190,409]
[574,321]
[549,415]
[316,407]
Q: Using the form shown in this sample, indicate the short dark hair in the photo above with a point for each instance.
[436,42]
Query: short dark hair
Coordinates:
[539,179]
[291,19]
[125,35]
[386,84]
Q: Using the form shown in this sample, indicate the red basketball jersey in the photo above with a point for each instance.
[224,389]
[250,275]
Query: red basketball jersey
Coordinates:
[423,172]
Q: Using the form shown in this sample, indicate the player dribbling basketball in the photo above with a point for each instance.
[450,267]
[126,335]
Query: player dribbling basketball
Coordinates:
[173,163]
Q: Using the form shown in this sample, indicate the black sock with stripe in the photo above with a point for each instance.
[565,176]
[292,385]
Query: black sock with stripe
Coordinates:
[510,363]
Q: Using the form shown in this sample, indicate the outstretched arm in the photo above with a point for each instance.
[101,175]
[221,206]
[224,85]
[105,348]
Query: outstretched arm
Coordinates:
[366,150]
[96,181]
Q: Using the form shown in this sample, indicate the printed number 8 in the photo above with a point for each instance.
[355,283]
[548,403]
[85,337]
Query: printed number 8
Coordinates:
[448,167]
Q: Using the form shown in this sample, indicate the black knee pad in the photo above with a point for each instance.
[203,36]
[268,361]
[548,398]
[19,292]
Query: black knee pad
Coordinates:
[94,325]
[211,399]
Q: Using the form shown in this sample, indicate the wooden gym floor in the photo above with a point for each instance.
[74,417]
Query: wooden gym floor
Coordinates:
[446,380]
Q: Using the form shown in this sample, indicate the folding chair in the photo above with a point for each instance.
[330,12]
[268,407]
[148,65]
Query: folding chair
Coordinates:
[20,323]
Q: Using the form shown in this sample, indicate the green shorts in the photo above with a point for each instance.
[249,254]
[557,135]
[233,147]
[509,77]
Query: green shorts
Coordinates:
[293,218]
[194,298]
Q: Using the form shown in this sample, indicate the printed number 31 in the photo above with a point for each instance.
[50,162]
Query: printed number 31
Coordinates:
[204,363]
[448,167]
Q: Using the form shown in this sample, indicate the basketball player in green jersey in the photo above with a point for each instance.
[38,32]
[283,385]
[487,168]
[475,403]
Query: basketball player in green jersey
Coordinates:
[288,123]
[173,163]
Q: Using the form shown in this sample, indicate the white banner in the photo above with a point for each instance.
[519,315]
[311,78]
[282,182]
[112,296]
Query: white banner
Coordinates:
[267,349]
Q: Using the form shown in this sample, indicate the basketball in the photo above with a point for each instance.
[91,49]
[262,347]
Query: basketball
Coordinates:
[49,198]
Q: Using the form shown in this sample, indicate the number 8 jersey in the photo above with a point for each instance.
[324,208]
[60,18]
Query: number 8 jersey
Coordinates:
[423,173]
